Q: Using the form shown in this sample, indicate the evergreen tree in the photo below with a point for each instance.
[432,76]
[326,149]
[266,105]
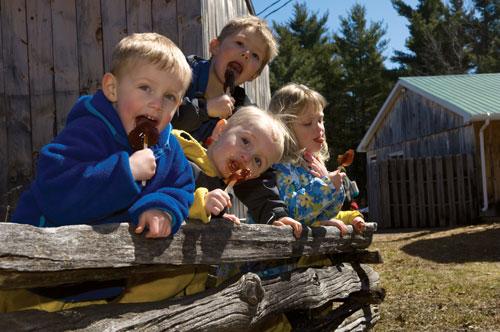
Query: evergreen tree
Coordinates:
[306,52]
[485,32]
[363,86]
[439,41]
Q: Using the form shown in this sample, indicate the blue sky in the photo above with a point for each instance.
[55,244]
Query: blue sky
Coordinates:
[376,10]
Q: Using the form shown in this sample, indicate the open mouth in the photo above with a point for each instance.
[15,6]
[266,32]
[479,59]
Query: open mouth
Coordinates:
[238,173]
[235,67]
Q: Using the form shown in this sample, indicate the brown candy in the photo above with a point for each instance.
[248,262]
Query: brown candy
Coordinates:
[229,83]
[145,131]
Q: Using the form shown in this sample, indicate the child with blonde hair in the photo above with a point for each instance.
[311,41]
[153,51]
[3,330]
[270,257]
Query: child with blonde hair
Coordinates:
[312,193]
[92,174]
[251,139]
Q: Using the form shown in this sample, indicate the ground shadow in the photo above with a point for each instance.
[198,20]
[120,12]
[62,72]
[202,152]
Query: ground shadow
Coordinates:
[482,246]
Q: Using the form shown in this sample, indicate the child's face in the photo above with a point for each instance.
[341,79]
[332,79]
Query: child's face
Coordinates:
[249,147]
[309,129]
[242,52]
[146,90]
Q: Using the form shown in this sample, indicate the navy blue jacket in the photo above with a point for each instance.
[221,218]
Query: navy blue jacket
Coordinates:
[83,176]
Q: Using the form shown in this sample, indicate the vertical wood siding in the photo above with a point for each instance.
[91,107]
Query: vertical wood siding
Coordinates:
[56,50]
[423,192]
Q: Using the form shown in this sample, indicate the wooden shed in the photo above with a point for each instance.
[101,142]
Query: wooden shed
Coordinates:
[433,152]
[53,51]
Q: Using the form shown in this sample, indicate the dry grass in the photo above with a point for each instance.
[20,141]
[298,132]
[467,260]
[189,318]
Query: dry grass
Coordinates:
[440,279]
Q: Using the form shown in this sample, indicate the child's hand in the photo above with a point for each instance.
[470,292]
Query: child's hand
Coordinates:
[159,223]
[318,169]
[336,223]
[359,225]
[232,218]
[296,226]
[336,177]
[216,200]
[220,107]
[143,164]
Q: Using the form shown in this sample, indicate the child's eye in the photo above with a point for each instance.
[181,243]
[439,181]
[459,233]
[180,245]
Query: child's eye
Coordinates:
[239,43]
[171,98]
[145,88]
[307,124]
[245,141]
[256,56]
[258,161]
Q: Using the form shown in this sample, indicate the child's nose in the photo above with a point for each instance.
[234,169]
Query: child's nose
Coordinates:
[246,54]
[245,157]
[156,102]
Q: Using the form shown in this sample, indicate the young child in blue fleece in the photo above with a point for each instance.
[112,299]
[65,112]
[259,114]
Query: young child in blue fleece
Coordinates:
[313,195]
[89,173]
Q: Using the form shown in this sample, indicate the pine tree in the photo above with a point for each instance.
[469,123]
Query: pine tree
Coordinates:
[439,42]
[306,52]
[363,87]
[485,31]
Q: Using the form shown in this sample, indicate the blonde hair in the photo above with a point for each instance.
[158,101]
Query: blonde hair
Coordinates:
[153,48]
[243,22]
[291,101]
[251,115]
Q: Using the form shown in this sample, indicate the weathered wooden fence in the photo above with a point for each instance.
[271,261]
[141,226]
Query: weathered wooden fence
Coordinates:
[40,257]
[425,192]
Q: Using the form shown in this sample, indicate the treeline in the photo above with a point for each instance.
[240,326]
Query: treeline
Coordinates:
[347,66]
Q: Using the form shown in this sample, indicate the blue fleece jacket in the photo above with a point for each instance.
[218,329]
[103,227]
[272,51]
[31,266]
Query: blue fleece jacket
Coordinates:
[84,177]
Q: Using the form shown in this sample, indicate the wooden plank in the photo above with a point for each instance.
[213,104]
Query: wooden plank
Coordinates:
[451,189]
[403,186]
[472,209]
[443,217]
[63,250]
[90,52]
[16,85]
[66,78]
[420,179]
[139,16]
[114,27]
[460,180]
[164,18]
[374,192]
[412,192]
[4,166]
[41,69]
[395,203]
[242,304]
[189,28]
[385,195]
[431,199]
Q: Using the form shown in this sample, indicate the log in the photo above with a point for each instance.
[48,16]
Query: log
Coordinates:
[242,305]
[40,257]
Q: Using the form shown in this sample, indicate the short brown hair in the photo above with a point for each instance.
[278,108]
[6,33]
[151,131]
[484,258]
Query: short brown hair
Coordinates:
[239,23]
[153,48]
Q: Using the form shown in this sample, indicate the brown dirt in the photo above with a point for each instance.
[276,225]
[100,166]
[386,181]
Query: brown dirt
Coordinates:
[440,279]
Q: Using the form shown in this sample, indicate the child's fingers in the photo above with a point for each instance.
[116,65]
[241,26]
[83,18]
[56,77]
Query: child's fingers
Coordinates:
[140,226]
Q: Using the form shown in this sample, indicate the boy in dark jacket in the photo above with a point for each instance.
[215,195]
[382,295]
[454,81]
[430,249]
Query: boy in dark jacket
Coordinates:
[242,50]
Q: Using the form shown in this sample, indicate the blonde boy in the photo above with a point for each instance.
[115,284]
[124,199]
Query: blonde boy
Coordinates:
[89,174]
[251,138]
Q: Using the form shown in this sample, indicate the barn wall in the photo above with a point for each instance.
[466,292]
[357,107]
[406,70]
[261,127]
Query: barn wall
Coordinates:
[492,158]
[421,128]
[56,50]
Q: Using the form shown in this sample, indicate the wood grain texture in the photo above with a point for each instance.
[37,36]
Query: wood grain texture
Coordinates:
[26,251]
[242,305]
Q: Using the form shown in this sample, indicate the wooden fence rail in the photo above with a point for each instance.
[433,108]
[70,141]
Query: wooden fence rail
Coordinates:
[425,192]
[37,257]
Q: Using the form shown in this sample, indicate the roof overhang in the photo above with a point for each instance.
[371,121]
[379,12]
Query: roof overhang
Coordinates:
[391,99]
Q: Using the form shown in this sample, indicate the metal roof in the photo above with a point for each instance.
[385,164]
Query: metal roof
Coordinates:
[475,97]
